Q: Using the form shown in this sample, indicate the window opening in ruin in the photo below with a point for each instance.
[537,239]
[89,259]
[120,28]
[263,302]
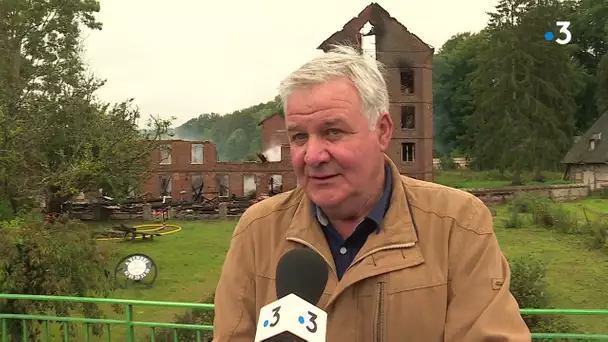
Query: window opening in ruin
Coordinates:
[368,40]
[249,186]
[407,80]
[408,117]
[165,154]
[408,152]
[275,184]
[197,154]
[165,183]
[196,183]
[223,187]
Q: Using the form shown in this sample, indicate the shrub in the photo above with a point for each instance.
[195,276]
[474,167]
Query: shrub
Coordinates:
[529,287]
[193,316]
[41,258]
[515,220]
[447,163]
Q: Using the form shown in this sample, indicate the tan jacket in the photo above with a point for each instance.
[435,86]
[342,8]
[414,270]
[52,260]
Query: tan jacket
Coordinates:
[435,271]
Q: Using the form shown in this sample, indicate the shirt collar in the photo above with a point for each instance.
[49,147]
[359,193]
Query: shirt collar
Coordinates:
[378,210]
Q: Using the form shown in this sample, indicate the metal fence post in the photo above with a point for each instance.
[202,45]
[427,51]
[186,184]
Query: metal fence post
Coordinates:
[129,323]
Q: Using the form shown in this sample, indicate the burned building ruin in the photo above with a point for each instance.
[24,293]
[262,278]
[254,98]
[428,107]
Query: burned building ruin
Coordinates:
[189,169]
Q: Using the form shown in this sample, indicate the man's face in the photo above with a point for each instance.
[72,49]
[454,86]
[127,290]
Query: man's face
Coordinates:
[333,151]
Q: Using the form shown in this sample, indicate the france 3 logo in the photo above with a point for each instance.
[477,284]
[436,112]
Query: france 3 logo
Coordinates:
[564,31]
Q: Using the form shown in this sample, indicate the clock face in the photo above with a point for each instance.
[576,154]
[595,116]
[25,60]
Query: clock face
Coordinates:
[137,267]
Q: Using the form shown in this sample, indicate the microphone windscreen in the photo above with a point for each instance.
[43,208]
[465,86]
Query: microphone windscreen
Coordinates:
[302,272]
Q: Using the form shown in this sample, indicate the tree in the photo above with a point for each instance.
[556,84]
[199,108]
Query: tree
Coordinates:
[453,96]
[74,141]
[524,91]
[602,87]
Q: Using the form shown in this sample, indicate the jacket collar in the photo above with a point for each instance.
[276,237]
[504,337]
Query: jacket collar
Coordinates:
[397,228]
[378,210]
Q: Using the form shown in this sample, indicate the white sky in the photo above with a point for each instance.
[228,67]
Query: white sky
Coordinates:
[183,58]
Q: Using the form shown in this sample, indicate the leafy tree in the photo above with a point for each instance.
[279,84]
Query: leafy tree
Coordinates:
[74,141]
[602,89]
[453,95]
[590,36]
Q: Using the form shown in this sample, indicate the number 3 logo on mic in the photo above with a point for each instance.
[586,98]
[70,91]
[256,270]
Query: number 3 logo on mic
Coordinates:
[292,317]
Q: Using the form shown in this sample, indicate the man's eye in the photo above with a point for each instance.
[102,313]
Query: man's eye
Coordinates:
[333,132]
[298,136]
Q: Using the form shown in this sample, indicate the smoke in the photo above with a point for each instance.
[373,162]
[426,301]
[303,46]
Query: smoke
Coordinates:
[249,185]
[273,154]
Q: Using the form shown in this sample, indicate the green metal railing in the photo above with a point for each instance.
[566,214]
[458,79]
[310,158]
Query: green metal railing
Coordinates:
[130,323]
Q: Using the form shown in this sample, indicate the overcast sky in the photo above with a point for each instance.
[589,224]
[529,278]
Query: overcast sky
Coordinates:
[183,58]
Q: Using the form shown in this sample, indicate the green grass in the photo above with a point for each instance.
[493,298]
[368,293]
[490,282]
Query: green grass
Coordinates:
[576,274]
[190,262]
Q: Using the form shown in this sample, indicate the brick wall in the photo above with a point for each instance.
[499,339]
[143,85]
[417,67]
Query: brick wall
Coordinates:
[273,132]
[181,172]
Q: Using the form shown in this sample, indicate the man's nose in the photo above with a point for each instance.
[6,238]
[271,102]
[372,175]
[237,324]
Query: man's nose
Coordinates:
[316,152]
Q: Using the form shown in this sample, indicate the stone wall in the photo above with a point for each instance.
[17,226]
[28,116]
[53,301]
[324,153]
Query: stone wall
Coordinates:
[560,192]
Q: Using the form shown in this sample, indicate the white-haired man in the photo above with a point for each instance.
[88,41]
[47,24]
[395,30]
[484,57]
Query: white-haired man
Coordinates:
[408,260]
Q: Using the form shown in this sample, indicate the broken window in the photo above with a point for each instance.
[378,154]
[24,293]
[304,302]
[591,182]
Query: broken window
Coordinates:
[165,154]
[407,80]
[249,186]
[408,152]
[197,153]
[165,184]
[223,186]
[275,184]
[408,117]
[196,183]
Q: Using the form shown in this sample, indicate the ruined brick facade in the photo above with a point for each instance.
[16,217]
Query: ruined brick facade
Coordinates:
[181,171]
[409,80]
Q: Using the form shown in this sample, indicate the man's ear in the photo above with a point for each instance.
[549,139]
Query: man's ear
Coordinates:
[384,129]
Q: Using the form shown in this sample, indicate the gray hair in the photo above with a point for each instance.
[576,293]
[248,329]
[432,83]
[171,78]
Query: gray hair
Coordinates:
[344,61]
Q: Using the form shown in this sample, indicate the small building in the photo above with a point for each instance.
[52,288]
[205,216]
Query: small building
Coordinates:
[587,160]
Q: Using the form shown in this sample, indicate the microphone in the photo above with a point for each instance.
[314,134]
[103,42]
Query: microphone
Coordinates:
[301,278]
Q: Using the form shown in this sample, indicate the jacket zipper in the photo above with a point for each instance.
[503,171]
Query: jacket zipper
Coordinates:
[380,312]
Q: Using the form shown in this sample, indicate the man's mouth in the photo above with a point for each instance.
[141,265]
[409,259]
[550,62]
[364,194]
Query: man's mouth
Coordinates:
[322,177]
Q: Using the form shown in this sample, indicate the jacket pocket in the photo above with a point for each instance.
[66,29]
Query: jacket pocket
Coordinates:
[380,312]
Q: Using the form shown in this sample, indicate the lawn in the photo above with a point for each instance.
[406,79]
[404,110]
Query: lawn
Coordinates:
[190,262]
[576,275]
[467,179]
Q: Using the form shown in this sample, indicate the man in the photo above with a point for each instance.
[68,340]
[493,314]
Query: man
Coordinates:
[408,260]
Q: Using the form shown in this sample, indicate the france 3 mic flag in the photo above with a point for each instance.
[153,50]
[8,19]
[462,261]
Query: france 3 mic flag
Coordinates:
[291,316]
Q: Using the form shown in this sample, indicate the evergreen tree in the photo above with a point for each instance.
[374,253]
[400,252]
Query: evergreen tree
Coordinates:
[524,90]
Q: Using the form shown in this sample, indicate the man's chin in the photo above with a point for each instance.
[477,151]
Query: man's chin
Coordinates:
[325,197]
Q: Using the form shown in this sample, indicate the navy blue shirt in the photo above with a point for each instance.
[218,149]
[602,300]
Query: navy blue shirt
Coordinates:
[345,250]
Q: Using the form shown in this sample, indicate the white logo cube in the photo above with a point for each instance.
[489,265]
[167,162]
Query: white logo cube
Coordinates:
[292,314]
